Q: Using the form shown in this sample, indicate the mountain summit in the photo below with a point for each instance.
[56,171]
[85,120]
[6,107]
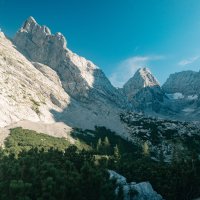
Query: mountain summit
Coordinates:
[141,79]
[144,92]
[80,78]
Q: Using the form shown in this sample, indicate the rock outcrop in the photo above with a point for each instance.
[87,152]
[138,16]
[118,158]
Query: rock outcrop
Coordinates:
[42,80]
[134,191]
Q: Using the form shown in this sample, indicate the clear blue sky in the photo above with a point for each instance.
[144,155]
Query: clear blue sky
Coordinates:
[119,35]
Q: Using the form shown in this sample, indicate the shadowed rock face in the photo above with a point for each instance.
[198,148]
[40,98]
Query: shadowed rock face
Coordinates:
[80,78]
[186,83]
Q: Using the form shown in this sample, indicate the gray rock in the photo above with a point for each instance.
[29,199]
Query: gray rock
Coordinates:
[144,92]
[185,82]
[42,80]
[80,78]
[134,191]
[141,79]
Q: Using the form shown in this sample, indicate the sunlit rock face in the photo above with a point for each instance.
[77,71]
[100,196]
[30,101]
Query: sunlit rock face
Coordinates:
[42,80]
[80,78]
[58,85]
[25,91]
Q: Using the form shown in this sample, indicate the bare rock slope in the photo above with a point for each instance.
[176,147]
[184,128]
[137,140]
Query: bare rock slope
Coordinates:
[25,91]
[41,80]
[80,78]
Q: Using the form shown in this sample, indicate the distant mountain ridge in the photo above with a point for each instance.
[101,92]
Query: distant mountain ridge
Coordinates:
[178,98]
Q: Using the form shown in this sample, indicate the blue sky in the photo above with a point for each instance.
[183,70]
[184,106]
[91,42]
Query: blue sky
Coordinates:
[119,35]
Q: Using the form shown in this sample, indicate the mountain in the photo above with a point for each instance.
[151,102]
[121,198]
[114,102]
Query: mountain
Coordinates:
[143,91]
[43,81]
[26,93]
[141,79]
[80,78]
[46,88]
[186,82]
[183,90]
[53,84]
[178,98]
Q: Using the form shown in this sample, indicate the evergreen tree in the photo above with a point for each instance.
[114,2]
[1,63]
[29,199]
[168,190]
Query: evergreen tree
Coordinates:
[106,142]
[146,149]
[99,145]
[116,153]
[106,145]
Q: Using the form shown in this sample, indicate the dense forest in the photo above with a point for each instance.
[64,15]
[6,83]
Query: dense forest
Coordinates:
[36,166]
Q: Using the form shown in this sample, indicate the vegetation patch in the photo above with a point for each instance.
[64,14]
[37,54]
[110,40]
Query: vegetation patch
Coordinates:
[24,139]
[35,106]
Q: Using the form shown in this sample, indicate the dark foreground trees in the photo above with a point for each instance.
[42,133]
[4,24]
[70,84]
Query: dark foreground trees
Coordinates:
[53,175]
[68,173]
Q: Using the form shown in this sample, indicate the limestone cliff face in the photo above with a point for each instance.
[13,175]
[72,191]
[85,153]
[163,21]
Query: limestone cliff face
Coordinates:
[80,78]
[42,80]
[26,93]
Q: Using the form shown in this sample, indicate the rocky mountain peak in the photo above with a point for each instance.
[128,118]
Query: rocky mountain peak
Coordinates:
[141,79]
[38,35]
[80,78]
[30,25]
[40,80]
[147,76]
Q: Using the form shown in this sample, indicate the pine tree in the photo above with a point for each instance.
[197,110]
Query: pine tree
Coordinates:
[106,142]
[106,145]
[99,145]
[146,149]
[116,153]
